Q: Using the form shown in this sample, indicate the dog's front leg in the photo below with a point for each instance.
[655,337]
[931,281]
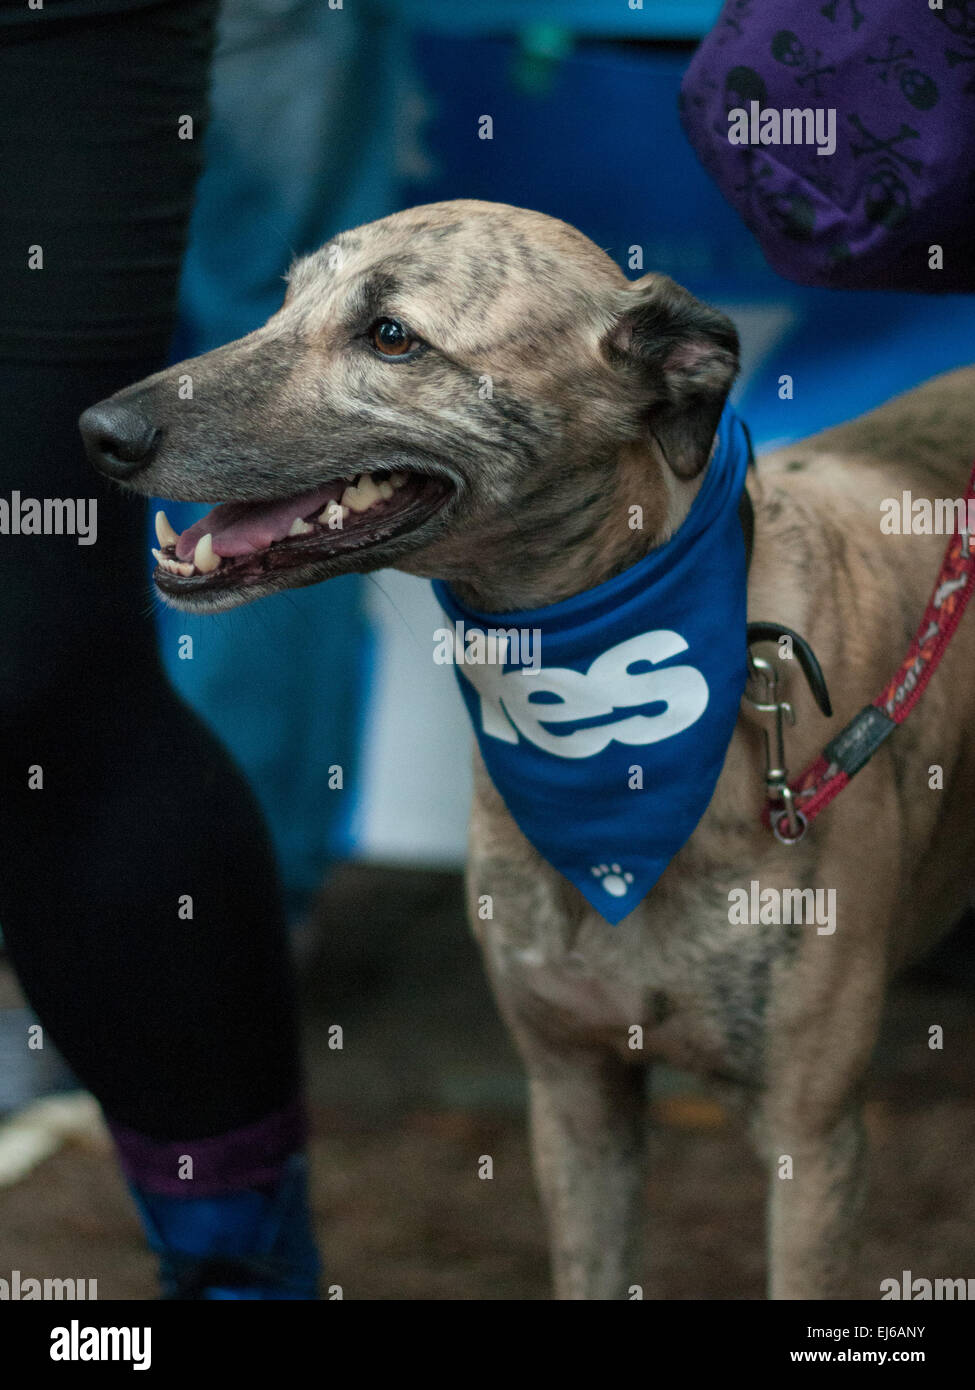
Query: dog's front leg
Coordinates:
[816,1191]
[587,1111]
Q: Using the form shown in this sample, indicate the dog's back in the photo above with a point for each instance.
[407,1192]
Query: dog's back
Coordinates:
[851,528]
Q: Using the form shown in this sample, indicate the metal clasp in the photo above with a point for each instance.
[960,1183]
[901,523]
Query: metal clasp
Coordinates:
[788,823]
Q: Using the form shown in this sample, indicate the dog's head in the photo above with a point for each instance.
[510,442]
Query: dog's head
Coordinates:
[448,389]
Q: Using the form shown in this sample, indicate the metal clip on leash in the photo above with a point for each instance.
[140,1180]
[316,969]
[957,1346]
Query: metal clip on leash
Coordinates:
[787,821]
[788,824]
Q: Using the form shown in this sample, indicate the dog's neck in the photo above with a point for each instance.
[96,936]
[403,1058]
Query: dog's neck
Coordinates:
[579,537]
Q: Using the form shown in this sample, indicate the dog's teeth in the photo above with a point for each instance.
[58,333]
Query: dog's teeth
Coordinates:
[361,495]
[203,557]
[385,490]
[159,557]
[398,479]
[165,533]
[176,566]
[367,490]
[299,527]
[333,516]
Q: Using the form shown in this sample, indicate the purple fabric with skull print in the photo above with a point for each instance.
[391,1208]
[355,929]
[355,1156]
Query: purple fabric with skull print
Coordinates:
[899,77]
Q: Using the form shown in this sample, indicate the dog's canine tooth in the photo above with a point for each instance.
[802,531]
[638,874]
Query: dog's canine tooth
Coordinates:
[300,527]
[164,532]
[204,558]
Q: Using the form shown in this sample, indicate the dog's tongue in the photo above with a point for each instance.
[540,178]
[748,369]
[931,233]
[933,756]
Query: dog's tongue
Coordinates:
[240,528]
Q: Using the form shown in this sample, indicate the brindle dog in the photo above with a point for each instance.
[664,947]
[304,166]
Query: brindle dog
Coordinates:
[512,395]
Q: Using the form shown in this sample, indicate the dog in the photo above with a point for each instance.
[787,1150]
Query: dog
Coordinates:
[476,393]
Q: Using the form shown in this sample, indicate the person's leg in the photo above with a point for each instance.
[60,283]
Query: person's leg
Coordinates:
[138,897]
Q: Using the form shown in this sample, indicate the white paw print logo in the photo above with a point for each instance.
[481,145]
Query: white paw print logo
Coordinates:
[615,880]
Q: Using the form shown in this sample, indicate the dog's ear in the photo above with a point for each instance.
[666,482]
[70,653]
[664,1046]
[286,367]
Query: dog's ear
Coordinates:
[682,356]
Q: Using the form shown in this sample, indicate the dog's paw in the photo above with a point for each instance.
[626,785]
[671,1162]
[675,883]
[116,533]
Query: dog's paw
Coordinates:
[615,880]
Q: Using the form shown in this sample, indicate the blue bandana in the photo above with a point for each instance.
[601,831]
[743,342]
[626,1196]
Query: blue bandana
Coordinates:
[608,755]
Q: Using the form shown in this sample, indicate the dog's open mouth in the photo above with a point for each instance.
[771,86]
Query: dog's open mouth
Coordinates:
[242,543]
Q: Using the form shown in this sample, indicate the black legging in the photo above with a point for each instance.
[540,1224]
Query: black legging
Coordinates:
[181,1028]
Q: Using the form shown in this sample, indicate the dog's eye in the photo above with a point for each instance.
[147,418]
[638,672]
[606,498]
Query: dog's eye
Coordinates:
[391,339]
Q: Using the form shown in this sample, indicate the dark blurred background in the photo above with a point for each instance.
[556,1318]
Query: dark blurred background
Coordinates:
[324,118]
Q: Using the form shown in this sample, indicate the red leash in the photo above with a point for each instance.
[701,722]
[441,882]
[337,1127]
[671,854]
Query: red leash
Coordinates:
[843,756]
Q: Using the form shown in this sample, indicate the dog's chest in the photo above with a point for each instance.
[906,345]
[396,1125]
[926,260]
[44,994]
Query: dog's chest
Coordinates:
[677,980]
[674,982]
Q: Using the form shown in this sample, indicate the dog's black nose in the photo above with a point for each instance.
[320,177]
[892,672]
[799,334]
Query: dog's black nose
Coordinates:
[119,440]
